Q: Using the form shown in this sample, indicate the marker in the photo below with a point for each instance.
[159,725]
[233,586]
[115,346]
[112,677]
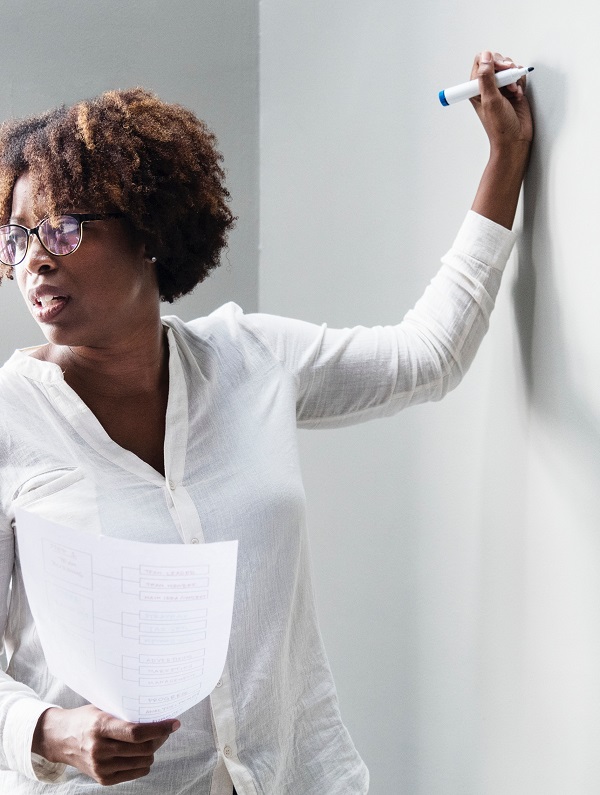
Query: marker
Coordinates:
[449,96]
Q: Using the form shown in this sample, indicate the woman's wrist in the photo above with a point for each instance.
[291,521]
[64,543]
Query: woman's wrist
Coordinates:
[515,154]
[41,743]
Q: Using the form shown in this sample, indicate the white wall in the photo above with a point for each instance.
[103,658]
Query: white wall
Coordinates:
[456,547]
[201,53]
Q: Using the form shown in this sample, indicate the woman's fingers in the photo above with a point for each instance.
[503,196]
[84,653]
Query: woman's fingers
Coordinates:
[137,733]
[503,61]
[107,779]
[117,748]
[486,75]
[500,63]
[101,746]
[486,65]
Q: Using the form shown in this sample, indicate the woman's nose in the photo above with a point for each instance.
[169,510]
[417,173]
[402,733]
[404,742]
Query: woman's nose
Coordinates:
[37,259]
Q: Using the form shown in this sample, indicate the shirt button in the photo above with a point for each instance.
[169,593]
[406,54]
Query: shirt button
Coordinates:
[195,540]
[172,485]
[219,683]
[227,751]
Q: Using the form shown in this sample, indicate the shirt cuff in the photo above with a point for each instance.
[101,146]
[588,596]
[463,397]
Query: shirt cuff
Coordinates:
[485,240]
[48,772]
[17,739]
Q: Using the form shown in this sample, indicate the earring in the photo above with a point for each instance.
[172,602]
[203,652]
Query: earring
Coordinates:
[152,259]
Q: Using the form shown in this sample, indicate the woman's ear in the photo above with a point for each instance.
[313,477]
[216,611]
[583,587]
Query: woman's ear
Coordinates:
[149,256]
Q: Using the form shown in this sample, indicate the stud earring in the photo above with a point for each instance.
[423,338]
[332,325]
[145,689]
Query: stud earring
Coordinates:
[152,259]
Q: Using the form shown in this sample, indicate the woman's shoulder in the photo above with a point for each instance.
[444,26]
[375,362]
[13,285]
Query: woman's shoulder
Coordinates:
[227,334]
[226,325]
[229,314]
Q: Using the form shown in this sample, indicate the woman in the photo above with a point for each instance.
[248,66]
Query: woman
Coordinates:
[157,430]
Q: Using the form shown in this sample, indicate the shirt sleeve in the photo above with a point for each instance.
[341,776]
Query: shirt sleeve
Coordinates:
[20,707]
[346,376]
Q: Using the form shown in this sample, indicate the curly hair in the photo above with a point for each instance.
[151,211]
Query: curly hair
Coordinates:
[127,151]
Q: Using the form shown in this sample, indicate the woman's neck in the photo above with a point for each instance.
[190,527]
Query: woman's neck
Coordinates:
[136,366]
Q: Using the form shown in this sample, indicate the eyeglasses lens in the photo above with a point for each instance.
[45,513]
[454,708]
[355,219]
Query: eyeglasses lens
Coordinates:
[13,244]
[62,236]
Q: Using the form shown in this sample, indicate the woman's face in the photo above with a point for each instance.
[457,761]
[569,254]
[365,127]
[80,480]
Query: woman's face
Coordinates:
[99,295]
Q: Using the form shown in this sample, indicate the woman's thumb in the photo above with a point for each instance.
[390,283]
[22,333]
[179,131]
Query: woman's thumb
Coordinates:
[486,76]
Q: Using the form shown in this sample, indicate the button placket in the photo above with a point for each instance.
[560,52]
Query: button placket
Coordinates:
[224,722]
[184,512]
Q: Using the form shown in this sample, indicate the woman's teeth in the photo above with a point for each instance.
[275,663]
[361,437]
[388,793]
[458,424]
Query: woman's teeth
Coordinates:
[46,300]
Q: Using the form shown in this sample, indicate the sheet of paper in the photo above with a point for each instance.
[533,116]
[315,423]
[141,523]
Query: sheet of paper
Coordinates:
[139,630]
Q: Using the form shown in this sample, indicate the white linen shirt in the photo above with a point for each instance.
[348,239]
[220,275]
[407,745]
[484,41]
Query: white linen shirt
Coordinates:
[238,388]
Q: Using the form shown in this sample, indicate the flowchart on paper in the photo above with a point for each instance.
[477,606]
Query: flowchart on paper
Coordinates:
[139,630]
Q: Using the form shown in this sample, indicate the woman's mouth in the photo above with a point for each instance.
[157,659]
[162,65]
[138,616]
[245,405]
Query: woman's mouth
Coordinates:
[46,307]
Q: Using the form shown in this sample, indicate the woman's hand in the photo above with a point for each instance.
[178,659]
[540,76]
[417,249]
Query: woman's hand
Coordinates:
[506,117]
[505,114]
[103,747]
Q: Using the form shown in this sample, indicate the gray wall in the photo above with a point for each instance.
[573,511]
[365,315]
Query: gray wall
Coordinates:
[200,53]
[456,546]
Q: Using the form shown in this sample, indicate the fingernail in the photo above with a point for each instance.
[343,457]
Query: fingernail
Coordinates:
[506,60]
[486,57]
[175,726]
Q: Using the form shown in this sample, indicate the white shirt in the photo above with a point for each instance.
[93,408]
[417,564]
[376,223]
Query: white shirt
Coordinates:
[239,386]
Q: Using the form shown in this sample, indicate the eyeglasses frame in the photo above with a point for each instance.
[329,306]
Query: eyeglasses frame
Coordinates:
[81,219]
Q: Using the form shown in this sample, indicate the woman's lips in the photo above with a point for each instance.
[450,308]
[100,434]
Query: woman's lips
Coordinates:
[47,308]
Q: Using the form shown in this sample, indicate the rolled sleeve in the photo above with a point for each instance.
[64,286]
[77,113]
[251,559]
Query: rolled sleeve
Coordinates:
[484,240]
[21,719]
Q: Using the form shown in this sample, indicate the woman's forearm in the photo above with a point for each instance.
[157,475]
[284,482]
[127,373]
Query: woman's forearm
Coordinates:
[500,186]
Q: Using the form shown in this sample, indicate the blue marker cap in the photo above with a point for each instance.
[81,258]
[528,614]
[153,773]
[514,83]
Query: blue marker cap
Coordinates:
[442,97]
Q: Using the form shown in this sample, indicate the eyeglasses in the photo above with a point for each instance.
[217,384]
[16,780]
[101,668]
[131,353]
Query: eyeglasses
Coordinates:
[59,236]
